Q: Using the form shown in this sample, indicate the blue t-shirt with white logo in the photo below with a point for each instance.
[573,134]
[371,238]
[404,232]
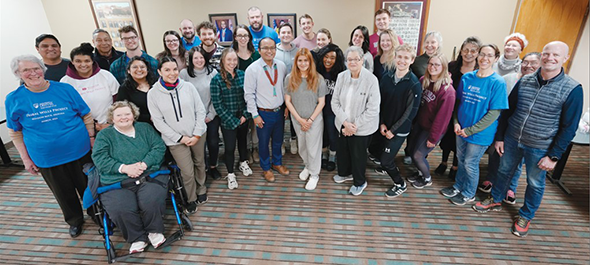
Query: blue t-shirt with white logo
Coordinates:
[51,122]
[266,31]
[476,96]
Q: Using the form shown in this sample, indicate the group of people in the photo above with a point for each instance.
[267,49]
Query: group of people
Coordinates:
[122,109]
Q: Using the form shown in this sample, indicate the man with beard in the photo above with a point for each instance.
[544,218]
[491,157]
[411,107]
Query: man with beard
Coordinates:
[258,30]
[189,39]
[207,33]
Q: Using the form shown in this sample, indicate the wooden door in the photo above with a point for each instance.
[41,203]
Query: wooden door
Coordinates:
[543,21]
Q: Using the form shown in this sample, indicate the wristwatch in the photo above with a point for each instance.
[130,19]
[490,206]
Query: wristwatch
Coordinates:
[554,159]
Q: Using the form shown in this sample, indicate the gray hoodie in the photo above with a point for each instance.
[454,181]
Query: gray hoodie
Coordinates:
[177,112]
[286,56]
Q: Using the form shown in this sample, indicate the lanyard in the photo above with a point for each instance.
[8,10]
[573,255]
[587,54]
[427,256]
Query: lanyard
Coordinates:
[272,82]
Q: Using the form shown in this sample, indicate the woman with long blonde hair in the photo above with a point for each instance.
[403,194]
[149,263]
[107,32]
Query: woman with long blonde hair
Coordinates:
[305,93]
[436,109]
[383,62]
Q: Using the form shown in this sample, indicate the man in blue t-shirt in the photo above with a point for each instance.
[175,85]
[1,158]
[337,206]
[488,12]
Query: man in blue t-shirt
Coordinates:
[258,30]
[189,38]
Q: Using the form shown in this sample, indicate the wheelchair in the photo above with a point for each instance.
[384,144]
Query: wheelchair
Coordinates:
[177,199]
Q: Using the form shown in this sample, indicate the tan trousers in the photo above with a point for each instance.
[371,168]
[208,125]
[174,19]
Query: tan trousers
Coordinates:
[191,161]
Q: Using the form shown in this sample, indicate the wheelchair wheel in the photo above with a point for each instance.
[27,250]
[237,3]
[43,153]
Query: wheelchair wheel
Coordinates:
[186,222]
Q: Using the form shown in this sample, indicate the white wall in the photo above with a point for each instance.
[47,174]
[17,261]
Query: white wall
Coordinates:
[581,64]
[20,23]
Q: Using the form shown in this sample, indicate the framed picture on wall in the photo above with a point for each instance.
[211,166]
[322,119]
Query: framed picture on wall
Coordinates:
[111,15]
[276,19]
[225,25]
[408,19]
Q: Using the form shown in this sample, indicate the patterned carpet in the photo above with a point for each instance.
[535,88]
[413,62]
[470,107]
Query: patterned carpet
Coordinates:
[282,223]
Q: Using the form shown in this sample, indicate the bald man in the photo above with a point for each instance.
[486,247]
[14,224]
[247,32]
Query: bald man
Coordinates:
[189,38]
[545,108]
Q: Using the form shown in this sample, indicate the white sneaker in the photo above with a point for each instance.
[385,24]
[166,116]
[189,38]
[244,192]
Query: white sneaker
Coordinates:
[304,174]
[293,146]
[245,168]
[312,183]
[282,149]
[137,246]
[232,183]
[157,239]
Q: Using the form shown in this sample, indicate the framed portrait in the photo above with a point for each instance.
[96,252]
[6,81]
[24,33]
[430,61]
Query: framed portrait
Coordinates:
[409,19]
[225,25]
[275,20]
[111,15]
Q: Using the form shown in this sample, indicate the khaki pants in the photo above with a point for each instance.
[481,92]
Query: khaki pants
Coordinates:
[191,161]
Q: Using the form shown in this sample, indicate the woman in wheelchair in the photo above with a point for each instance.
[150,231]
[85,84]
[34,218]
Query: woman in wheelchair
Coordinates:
[128,151]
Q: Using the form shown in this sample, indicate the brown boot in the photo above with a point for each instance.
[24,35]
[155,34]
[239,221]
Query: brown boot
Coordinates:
[281,169]
[268,175]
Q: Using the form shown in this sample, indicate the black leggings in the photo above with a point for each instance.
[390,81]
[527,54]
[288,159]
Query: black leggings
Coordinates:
[229,138]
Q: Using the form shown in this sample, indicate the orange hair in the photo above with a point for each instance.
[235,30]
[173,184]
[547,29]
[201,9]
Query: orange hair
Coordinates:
[312,74]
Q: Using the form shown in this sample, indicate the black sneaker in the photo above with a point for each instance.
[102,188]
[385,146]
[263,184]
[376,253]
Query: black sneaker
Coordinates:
[440,170]
[485,186]
[214,173]
[324,163]
[414,177]
[191,207]
[421,183]
[396,190]
[330,166]
[381,171]
[202,199]
[374,159]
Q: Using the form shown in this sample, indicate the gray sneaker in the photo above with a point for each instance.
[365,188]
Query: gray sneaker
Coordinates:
[357,190]
[342,179]
[459,199]
[449,192]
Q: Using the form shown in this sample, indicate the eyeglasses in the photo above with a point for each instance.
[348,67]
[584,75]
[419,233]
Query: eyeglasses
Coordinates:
[240,36]
[489,55]
[436,65]
[473,51]
[270,48]
[353,60]
[171,41]
[29,71]
[129,38]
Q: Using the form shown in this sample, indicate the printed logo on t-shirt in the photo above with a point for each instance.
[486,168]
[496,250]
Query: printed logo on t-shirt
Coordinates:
[471,95]
[427,96]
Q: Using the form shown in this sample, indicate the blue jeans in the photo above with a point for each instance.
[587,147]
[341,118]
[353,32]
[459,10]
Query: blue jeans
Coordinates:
[469,156]
[494,165]
[514,152]
[274,126]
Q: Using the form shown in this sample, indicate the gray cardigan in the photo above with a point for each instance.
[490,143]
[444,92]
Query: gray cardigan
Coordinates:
[365,102]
